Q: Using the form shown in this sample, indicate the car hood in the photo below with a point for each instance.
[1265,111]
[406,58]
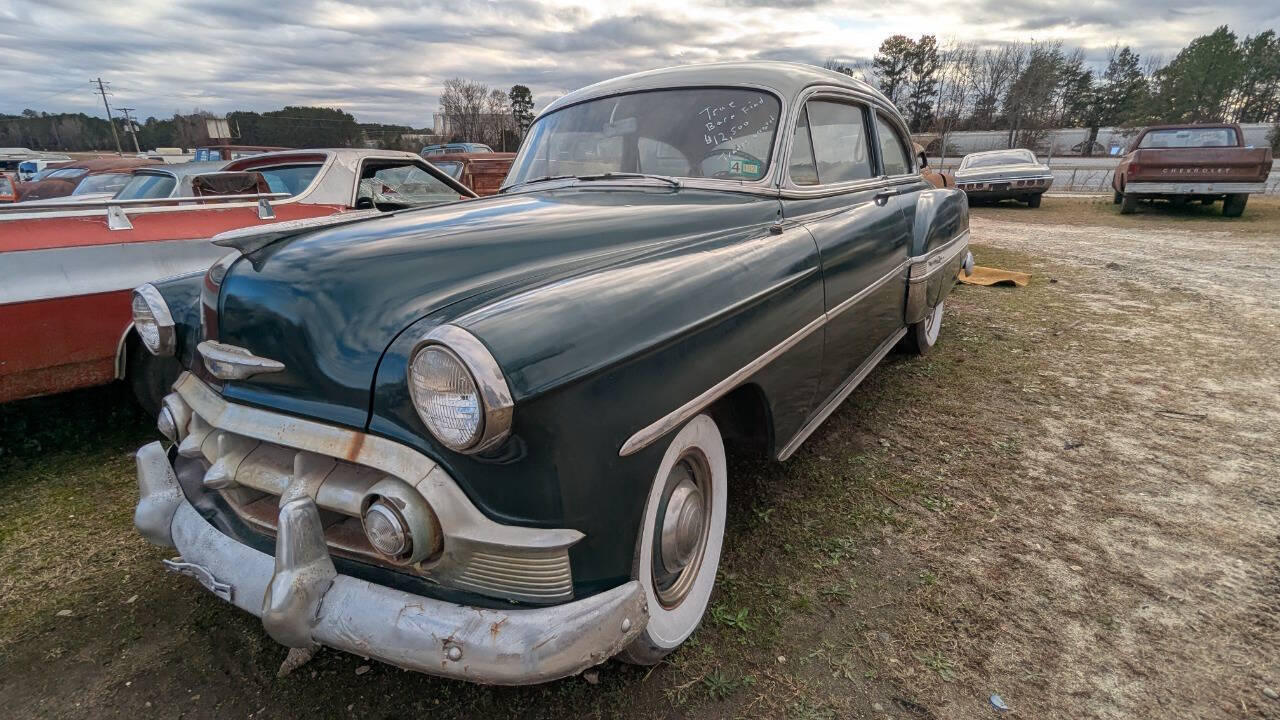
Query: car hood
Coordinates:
[327,303]
[1002,171]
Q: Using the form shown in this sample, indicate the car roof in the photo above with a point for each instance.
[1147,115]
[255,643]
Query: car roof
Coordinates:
[111,164]
[788,79]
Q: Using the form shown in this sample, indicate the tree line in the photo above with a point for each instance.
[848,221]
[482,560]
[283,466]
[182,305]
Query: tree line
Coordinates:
[1026,88]
[473,112]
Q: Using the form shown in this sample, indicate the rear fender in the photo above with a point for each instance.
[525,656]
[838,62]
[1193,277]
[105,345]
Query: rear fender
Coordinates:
[939,245]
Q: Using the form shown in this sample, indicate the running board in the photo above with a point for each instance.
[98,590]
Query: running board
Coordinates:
[833,401]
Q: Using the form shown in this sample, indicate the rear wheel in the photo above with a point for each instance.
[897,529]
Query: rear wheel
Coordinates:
[680,540]
[1233,205]
[1034,200]
[1117,197]
[923,335]
[1128,204]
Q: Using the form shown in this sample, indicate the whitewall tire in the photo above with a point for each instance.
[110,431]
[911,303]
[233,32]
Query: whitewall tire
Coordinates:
[922,336]
[681,534]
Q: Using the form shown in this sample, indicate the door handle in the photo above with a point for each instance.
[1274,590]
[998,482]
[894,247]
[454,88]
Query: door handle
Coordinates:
[882,197]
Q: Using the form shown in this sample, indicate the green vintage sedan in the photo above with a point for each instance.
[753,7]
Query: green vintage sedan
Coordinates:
[485,440]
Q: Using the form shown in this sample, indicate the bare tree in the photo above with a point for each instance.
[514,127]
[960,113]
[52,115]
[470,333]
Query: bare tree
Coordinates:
[995,71]
[959,63]
[497,119]
[463,105]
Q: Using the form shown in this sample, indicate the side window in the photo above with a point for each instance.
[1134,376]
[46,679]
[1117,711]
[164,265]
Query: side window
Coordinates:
[804,169]
[892,152]
[839,136]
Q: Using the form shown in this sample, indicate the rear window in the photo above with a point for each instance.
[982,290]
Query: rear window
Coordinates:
[147,187]
[291,179]
[1019,157]
[67,173]
[104,183]
[1189,138]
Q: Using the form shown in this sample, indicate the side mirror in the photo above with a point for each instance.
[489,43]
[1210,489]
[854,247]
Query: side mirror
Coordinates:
[924,161]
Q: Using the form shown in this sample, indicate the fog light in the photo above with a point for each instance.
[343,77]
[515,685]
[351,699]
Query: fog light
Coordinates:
[168,427]
[386,530]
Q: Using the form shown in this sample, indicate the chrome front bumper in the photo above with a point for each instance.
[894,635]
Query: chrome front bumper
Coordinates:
[304,602]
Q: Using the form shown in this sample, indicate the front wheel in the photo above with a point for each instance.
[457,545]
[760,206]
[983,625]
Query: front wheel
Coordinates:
[149,377]
[681,534]
[923,335]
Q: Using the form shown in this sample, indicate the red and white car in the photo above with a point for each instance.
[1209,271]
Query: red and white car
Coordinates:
[66,272]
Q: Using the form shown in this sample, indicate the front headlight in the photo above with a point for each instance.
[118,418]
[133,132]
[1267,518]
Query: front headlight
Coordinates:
[153,321]
[459,391]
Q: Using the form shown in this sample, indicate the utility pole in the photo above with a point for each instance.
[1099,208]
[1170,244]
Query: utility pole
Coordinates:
[128,125]
[110,120]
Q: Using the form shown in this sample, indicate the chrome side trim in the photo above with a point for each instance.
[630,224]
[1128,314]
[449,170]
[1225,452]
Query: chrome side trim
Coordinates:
[231,362]
[499,407]
[833,401]
[122,358]
[924,268]
[665,424]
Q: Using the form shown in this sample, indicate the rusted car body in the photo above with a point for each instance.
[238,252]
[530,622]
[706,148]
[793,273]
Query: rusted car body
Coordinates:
[97,175]
[66,272]
[482,172]
[1181,163]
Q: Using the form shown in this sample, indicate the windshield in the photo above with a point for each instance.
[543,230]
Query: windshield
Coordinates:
[1189,138]
[401,185]
[147,187]
[724,133]
[67,173]
[104,183]
[6,185]
[291,179]
[1009,158]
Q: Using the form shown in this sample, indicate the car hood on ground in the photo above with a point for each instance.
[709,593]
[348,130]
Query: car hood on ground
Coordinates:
[329,302]
[1002,171]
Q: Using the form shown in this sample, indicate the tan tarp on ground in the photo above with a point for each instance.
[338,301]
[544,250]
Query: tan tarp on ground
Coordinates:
[995,276]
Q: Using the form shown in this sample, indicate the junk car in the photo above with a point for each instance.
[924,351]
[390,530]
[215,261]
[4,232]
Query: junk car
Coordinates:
[1198,162]
[67,271]
[98,177]
[1003,175]
[486,440]
[482,172]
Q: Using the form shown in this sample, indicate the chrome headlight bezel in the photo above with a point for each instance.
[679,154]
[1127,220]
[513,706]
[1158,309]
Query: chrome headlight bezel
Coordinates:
[165,342]
[496,404]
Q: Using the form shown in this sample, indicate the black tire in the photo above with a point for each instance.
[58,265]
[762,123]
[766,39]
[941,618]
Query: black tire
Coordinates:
[149,377]
[1117,198]
[1128,204]
[1233,205]
[922,336]
[1034,200]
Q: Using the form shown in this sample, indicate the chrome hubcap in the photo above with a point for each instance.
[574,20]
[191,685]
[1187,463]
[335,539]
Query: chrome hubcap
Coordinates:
[683,523]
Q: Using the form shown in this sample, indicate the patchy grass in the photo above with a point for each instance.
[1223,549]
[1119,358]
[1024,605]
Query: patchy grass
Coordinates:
[1067,503]
[1261,215]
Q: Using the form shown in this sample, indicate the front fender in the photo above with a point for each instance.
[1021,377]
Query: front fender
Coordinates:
[939,242]
[182,294]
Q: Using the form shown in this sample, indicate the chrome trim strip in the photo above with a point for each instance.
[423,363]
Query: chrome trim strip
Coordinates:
[665,424]
[121,349]
[842,392]
[922,266]
[112,202]
[1190,188]
[499,407]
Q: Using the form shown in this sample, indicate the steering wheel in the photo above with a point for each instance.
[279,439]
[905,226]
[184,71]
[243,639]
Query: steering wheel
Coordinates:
[742,156]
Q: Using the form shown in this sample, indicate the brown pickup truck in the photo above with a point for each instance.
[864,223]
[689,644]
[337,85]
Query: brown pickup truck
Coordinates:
[1182,163]
[480,171]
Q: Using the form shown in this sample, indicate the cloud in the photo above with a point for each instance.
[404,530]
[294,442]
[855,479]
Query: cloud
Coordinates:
[387,61]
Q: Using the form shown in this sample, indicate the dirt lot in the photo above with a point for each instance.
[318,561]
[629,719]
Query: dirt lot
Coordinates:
[1072,503]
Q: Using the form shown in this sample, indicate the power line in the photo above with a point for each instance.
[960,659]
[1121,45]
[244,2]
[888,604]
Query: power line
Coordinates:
[110,120]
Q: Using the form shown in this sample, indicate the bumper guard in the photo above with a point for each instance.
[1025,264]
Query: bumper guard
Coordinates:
[304,602]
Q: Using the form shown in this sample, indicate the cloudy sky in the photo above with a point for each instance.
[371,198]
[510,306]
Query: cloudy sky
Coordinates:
[386,60]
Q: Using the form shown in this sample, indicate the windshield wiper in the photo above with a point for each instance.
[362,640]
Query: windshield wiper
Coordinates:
[624,175]
[544,178]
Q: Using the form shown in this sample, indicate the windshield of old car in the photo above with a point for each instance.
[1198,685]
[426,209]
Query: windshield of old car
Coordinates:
[994,159]
[67,173]
[6,185]
[291,179]
[400,185]
[724,133]
[1189,138]
[147,186]
[104,183]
